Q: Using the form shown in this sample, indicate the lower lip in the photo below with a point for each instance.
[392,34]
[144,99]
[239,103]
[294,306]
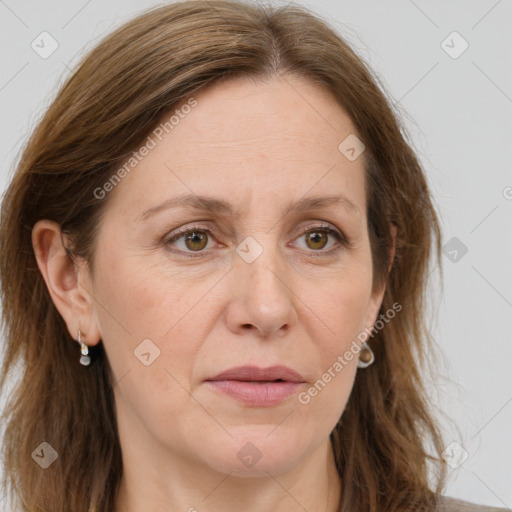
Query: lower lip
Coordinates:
[257,394]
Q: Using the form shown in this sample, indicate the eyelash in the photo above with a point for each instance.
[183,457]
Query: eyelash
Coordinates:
[311,229]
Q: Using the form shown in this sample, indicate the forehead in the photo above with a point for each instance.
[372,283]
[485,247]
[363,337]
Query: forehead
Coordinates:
[243,138]
[247,110]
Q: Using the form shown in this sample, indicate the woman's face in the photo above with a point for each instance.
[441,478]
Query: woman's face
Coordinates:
[269,276]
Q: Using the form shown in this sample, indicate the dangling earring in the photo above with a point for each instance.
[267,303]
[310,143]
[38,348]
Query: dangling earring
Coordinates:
[85,359]
[366,357]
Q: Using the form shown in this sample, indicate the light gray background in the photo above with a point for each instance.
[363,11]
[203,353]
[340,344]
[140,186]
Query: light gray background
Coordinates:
[460,118]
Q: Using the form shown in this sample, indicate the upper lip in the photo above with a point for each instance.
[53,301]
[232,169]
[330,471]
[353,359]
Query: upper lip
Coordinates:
[254,374]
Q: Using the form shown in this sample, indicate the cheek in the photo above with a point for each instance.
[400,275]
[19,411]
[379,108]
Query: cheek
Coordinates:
[152,333]
[143,299]
[340,303]
[151,330]
[342,312]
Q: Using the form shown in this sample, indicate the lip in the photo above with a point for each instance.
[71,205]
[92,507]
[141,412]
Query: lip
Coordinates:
[257,387]
[251,373]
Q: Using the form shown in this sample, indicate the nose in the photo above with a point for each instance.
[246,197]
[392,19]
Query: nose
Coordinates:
[262,301]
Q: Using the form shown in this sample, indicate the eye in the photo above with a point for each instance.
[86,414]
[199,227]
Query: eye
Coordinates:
[317,238]
[194,239]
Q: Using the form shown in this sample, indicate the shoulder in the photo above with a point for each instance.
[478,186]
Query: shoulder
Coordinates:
[447,504]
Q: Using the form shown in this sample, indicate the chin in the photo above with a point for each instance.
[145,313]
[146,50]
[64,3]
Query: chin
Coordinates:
[259,451]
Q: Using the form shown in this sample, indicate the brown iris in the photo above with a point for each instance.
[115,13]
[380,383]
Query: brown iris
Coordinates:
[317,238]
[196,241]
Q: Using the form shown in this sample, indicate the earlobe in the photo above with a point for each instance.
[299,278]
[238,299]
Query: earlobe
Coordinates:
[63,281]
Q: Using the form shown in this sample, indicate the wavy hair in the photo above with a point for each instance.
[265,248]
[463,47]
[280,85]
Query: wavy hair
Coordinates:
[101,114]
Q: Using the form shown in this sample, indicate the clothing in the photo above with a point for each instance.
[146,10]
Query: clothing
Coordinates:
[448,504]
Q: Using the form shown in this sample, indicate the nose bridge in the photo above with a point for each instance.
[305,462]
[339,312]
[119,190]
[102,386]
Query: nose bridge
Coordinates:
[261,276]
[259,263]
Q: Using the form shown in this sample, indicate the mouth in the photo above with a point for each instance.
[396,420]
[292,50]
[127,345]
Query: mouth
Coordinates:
[257,387]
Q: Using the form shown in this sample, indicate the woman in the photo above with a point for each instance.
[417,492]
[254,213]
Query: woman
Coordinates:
[213,263]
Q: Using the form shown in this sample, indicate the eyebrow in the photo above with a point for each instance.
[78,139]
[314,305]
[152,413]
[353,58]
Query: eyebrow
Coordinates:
[220,206]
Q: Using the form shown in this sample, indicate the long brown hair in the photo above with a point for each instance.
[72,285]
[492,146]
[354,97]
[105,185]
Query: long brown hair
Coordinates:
[103,113]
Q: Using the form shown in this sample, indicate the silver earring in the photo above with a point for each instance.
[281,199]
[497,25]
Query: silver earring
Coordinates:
[366,357]
[85,359]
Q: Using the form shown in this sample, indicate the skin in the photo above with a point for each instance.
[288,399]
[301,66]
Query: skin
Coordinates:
[258,145]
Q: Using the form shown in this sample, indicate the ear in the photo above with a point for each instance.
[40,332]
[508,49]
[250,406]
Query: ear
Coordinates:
[67,281]
[392,249]
[378,293]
